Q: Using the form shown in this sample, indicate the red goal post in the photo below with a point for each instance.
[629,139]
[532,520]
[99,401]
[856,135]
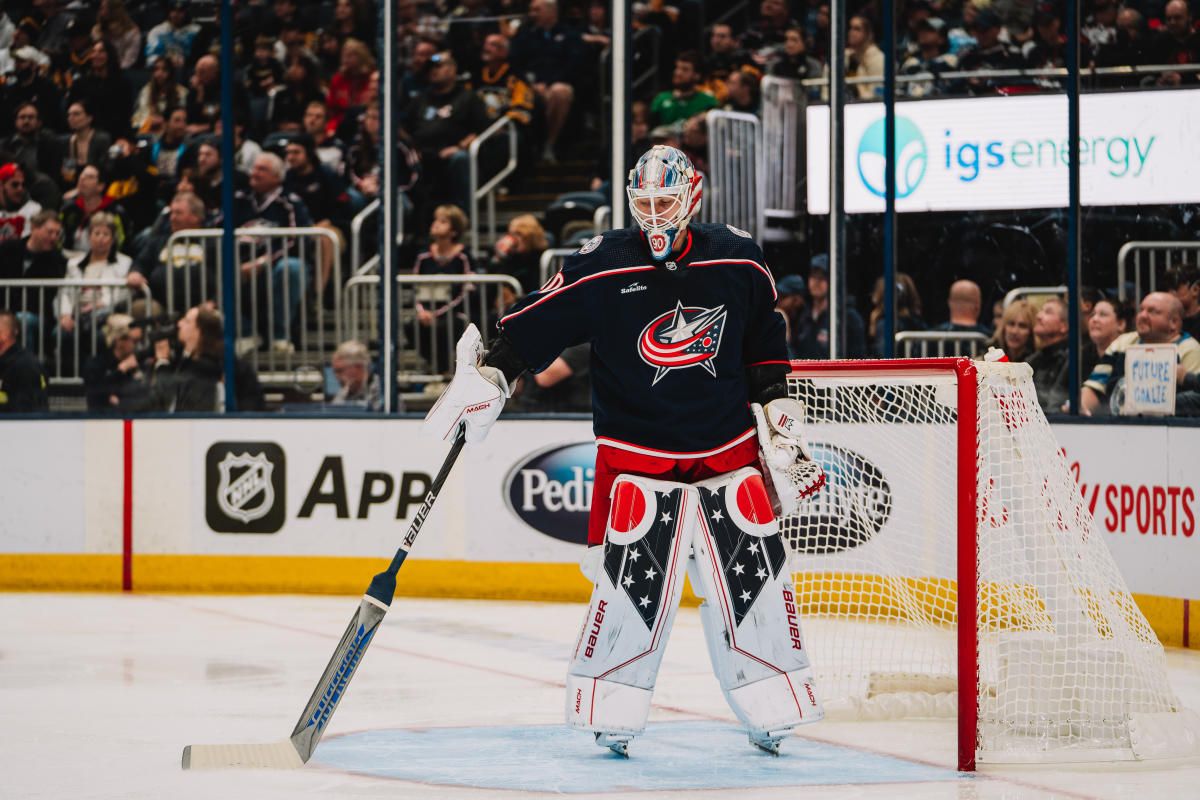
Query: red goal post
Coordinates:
[950,567]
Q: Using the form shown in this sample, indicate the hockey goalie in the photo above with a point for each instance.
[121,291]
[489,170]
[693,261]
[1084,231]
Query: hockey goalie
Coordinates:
[698,448]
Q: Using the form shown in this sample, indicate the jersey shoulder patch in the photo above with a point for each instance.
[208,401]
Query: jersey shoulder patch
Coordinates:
[591,244]
[739,232]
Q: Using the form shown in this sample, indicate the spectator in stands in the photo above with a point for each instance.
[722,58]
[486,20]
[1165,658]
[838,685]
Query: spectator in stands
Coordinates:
[416,77]
[1049,362]
[22,382]
[1177,44]
[362,162]
[519,253]
[84,146]
[864,59]
[769,29]
[693,139]
[439,308]
[208,177]
[69,63]
[743,93]
[191,264]
[114,25]
[86,200]
[82,311]
[161,94]
[1048,46]
[684,98]
[264,73]
[36,257]
[301,88]
[1183,280]
[913,17]
[791,290]
[547,52]
[792,60]
[990,51]
[965,303]
[1130,47]
[193,379]
[329,148]
[37,151]
[563,387]
[931,55]
[132,184]
[443,121]
[354,19]
[1100,28]
[1108,320]
[908,310]
[1159,321]
[113,379]
[724,57]
[203,102]
[1014,331]
[173,38]
[812,327]
[17,208]
[352,369]
[349,84]
[323,194]
[267,205]
[31,86]
[503,92]
[103,88]
[165,151]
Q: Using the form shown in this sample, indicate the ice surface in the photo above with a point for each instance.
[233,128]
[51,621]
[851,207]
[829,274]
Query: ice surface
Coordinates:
[99,693]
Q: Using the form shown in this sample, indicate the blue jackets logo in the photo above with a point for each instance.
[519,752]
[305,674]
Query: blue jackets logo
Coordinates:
[551,490]
[854,505]
[681,338]
[911,161]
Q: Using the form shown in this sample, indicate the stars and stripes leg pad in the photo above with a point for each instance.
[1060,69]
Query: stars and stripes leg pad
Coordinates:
[634,599]
[749,613]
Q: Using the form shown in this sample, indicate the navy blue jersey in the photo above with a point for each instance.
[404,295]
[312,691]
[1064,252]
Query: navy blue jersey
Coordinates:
[669,348]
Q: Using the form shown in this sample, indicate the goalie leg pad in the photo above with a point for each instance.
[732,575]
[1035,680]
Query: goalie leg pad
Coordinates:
[749,614]
[634,599]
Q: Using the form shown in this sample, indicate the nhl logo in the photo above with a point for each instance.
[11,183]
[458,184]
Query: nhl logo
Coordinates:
[245,487]
[249,495]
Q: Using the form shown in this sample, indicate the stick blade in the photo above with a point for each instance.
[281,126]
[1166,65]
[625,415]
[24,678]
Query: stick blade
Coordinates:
[279,755]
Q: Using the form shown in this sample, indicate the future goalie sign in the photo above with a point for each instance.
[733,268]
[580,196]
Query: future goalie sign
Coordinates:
[1150,379]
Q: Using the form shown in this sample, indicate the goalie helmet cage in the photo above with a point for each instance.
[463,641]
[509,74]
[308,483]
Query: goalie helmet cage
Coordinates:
[951,566]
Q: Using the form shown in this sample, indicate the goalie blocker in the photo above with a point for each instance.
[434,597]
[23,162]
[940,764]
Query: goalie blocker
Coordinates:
[722,530]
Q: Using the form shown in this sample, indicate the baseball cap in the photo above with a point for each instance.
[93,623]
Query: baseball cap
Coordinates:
[819,263]
[27,53]
[789,285]
[8,170]
[932,23]
[987,19]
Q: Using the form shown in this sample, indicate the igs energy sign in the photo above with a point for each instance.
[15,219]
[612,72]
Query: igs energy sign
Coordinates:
[1136,148]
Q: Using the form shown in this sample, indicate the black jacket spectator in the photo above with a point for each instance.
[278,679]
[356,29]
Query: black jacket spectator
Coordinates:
[547,56]
[193,384]
[104,378]
[32,87]
[22,383]
[36,149]
[105,90]
[322,192]
[1050,376]
[442,120]
[17,262]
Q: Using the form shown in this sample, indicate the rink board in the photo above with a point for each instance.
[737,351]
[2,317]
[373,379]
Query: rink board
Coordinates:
[318,505]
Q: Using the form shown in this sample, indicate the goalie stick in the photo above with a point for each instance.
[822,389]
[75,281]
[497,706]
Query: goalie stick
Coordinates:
[298,748]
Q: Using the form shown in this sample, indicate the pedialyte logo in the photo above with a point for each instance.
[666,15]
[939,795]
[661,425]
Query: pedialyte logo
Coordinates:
[911,159]
[245,484]
[551,490]
[854,505]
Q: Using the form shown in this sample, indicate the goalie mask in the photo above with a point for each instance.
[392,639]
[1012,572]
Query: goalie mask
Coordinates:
[664,194]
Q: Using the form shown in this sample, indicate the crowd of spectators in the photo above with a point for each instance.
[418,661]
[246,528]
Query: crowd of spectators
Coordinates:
[110,118]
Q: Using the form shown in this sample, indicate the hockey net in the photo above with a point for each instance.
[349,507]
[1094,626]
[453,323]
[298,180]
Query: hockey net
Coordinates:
[951,568]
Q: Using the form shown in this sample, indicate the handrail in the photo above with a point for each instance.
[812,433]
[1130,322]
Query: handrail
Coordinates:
[941,338]
[602,219]
[488,189]
[1130,247]
[41,285]
[356,226]
[1022,291]
[269,234]
[546,262]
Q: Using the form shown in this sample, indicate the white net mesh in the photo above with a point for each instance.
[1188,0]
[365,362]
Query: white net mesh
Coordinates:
[1067,663]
